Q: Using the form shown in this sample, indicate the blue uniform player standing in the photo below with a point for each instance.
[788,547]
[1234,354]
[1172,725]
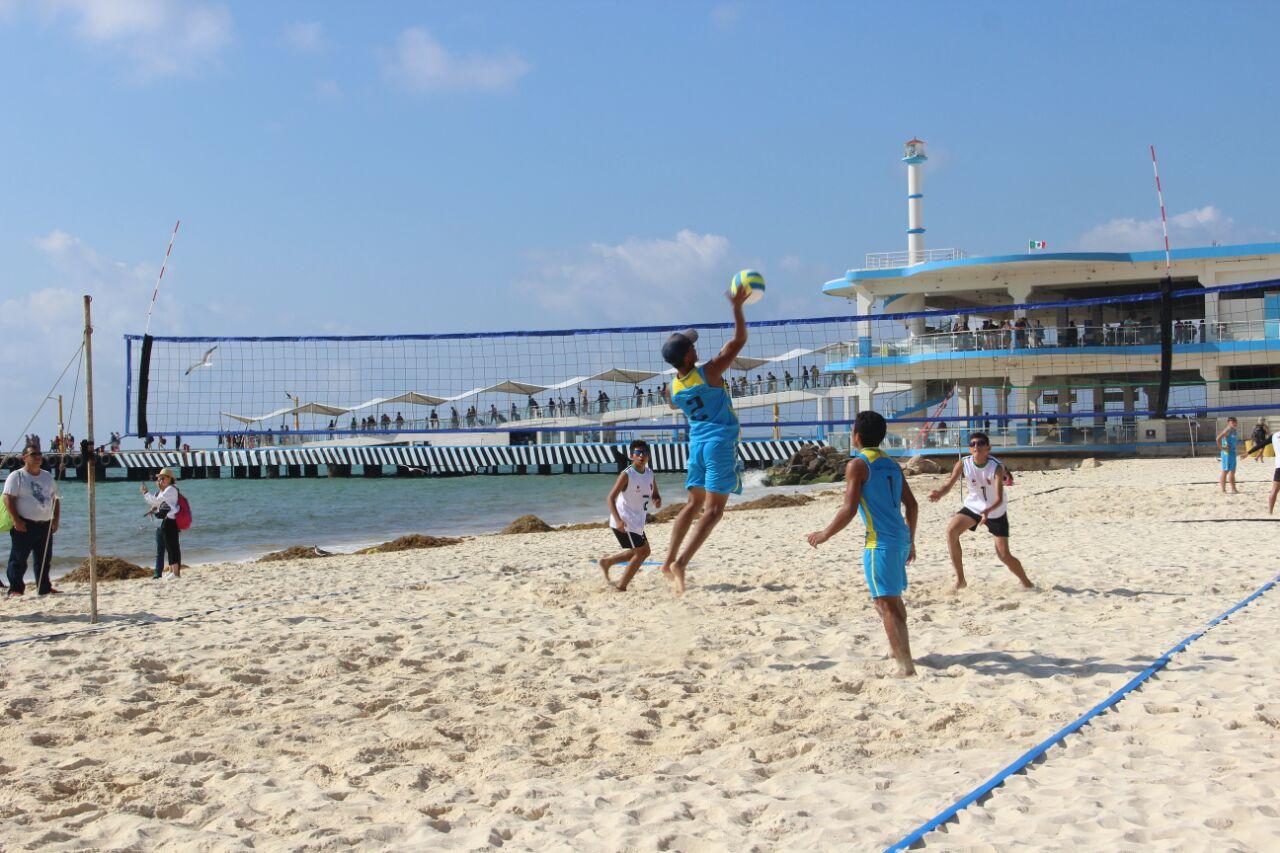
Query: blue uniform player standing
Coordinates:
[875,488]
[1228,440]
[714,471]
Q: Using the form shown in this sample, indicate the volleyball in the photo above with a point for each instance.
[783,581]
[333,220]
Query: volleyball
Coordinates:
[752,282]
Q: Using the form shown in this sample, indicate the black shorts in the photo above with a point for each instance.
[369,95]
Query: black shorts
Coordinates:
[996,526]
[1275,478]
[630,540]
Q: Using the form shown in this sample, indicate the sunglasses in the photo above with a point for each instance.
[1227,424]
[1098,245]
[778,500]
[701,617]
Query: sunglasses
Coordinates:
[639,453]
[977,444]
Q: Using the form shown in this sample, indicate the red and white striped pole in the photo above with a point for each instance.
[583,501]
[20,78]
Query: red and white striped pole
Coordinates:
[1164,221]
[160,278]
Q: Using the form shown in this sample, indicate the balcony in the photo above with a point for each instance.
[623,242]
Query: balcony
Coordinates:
[897,260]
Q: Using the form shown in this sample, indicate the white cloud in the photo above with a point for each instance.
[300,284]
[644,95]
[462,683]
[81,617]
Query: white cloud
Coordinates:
[306,37]
[1197,227]
[42,327]
[725,15]
[158,37]
[638,280]
[421,64]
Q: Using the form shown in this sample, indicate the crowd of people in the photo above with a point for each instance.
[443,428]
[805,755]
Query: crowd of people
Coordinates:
[1024,333]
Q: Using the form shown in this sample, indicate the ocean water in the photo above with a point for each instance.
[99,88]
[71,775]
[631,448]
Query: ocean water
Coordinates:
[242,519]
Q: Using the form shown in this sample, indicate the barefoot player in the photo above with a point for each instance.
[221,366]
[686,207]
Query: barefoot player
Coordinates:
[629,501]
[1227,440]
[985,504]
[874,485]
[714,471]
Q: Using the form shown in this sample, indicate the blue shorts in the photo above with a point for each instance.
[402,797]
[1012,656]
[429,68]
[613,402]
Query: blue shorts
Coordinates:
[1228,461]
[714,466]
[886,569]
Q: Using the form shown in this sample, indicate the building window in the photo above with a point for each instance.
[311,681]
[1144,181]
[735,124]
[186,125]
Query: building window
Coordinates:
[1254,377]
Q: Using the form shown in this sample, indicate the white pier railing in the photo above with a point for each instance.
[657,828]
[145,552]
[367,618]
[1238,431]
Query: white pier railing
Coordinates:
[894,260]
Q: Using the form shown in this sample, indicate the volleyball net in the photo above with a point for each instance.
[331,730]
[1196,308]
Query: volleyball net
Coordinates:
[1058,370]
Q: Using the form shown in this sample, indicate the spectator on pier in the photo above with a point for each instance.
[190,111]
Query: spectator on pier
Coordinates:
[1020,333]
[1038,334]
[385,421]
[815,378]
[515,413]
[435,420]
[804,377]
[639,396]
[471,416]
[773,382]
[603,400]
[31,497]
[532,406]
[164,508]
[494,417]
[399,421]
[573,405]
[787,378]
[353,425]
[454,422]
[1072,334]
[164,441]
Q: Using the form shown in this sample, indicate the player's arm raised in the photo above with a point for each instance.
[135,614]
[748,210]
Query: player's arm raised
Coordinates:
[716,367]
[937,494]
[855,474]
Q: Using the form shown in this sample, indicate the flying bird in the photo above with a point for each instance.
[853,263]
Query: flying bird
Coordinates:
[207,361]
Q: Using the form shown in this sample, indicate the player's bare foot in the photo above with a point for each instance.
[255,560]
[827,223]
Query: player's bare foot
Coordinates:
[961,584]
[677,577]
[605,565]
[906,669]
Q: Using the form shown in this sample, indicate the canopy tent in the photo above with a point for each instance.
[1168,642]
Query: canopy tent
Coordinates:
[568,383]
[626,376]
[304,409]
[512,386]
[746,362]
[411,397]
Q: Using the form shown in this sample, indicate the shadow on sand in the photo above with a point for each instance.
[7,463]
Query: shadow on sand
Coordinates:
[1033,665]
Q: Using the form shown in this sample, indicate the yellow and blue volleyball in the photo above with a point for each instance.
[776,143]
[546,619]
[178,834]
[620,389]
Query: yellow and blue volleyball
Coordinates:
[752,282]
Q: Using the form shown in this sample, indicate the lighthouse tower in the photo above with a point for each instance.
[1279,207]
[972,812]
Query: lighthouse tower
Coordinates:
[913,155]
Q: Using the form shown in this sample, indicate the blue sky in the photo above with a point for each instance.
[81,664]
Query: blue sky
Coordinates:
[403,167]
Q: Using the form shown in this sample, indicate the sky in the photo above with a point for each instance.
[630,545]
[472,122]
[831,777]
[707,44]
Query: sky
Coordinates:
[398,167]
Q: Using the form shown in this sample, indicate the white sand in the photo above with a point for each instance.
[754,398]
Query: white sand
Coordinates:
[497,694]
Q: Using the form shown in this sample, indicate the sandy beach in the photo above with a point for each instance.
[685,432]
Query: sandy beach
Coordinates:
[497,694]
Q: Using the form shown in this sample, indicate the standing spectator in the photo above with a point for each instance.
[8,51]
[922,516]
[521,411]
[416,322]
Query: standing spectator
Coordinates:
[435,420]
[804,377]
[164,506]
[787,378]
[1038,334]
[773,382]
[385,421]
[453,417]
[603,402]
[353,425]
[639,397]
[515,413]
[31,496]
[399,421]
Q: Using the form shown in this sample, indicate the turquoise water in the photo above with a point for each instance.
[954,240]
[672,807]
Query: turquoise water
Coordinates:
[243,519]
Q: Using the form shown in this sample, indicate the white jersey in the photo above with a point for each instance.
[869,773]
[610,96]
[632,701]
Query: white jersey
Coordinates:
[1275,445]
[981,483]
[633,502]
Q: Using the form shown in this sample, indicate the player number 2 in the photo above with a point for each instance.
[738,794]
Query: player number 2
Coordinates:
[695,410]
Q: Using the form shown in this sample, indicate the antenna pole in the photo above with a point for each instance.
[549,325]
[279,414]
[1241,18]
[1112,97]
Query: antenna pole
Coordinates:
[91,463]
[156,292]
[1161,408]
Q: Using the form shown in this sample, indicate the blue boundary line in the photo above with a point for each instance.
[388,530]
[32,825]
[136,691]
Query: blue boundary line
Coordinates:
[916,837]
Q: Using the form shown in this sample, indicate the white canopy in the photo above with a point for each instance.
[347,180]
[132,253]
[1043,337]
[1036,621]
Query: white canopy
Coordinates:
[304,409]
[412,397]
[512,386]
[746,362]
[624,375]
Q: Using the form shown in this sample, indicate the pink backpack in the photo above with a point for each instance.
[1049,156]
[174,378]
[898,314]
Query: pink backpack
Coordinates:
[183,518]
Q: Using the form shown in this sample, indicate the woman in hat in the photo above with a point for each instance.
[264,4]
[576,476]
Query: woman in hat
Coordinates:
[164,506]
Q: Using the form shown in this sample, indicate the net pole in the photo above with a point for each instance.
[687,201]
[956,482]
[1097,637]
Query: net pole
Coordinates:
[1161,407]
[91,462]
[156,291]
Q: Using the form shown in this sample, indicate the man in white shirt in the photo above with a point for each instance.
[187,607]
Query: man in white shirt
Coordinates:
[31,496]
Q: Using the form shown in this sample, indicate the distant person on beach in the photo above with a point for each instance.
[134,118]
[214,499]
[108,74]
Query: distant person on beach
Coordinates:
[985,504]
[31,497]
[164,506]
[874,486]
[1275,478]
[628,502]
[714,471]
[1227,441]
[1259,440]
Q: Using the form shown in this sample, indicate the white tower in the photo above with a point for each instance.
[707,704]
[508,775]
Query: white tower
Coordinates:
[913,155]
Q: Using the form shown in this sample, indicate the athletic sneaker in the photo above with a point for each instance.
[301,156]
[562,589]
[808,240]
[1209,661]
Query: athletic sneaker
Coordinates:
[52,591]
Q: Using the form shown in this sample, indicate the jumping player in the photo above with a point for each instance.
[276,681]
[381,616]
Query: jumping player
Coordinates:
[1226,441]
[628,503]
[714,471]
[985,504]
[874,486]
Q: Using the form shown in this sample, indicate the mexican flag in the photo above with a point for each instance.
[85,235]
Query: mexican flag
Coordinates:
[1032,245]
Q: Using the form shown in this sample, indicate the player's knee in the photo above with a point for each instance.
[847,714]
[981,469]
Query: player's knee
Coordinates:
[713,511]
[642,552]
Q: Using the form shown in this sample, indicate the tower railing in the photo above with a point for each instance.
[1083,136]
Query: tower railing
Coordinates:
[894,260]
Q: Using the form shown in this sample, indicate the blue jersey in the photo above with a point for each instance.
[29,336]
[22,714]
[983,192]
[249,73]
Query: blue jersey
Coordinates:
[708,408]
[1230,440]
[882,500]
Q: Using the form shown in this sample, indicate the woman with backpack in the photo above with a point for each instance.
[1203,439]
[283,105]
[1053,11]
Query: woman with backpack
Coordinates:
[166,504]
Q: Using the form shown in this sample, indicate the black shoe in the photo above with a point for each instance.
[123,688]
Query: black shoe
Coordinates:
[52,591]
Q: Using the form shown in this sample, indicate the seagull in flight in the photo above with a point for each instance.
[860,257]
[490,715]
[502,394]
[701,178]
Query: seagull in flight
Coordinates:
[206,361]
